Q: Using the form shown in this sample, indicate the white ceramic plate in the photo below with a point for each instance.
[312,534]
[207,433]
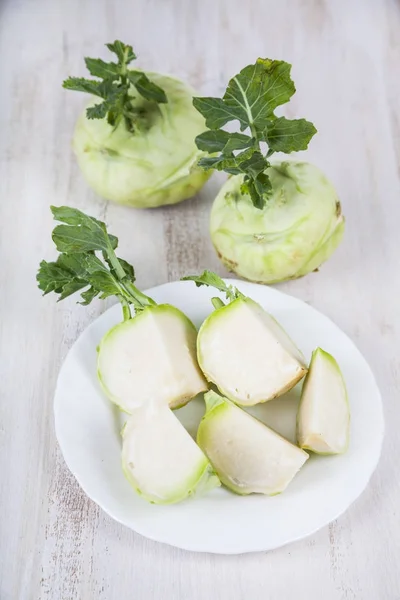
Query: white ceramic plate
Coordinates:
[88,426]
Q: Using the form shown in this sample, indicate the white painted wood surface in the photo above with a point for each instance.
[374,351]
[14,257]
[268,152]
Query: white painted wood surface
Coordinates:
[55,543]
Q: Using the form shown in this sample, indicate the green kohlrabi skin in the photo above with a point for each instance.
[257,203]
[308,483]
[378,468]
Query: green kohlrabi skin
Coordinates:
[297,230]
[157,163]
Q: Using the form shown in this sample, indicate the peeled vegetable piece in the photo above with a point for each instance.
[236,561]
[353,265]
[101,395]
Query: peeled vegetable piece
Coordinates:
[161,460]
[151,355]
[247,456]
[243,349]
[323,420]
[246,353]
[135,141]
[296,230]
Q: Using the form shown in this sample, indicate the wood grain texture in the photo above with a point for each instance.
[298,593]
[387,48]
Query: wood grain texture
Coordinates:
[55,544]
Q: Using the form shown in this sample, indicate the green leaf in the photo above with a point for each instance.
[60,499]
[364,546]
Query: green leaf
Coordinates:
[89,295]
[218,140]
[70,288]
[238,141]
[258,90]
[98,111]
[69,238]
[252,165]
[51,277]
[73,263]
[103,70]
[146,88]
[73,216]
[129,270]
[214,110]
[124,52]
[285,135]
[258,187]
[212,141]
[106,283]
[115,87]
[251,99]
[78,266]
[59,277]
[79,84]
[212,162]
[211,279]
[81,233]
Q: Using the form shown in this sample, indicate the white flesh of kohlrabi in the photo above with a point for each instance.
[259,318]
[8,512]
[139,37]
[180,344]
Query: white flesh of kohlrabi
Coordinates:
[151,356]
[160,459]
[246,454]
[323,420]
[247,354]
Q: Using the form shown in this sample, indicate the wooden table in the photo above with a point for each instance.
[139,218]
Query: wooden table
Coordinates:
[54,542]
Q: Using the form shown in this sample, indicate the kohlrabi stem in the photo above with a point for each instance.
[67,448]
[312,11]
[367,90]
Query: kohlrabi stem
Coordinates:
[119,271]
[217,302]
[135,296]
[126,311]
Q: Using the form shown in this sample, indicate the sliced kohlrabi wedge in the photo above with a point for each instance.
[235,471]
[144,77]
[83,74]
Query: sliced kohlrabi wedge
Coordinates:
[247,455]
[160,459]
[323,420]
[152,355]
[247,354]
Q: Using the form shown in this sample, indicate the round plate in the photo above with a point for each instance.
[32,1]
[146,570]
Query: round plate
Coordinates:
[88,431]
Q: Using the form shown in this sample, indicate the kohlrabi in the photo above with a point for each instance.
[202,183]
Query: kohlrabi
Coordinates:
[135,141]
[270,221]
[243,350]
[161,460]
[323,420]
[149,356]
[248,456]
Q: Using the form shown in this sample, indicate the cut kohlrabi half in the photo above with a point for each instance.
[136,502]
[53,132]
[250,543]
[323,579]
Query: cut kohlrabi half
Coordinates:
[160,459]
[323,420]
[152,355]
[247,456]
[243,349]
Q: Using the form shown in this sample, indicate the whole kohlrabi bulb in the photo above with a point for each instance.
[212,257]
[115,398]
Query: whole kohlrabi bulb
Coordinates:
[156,164]
[297,230]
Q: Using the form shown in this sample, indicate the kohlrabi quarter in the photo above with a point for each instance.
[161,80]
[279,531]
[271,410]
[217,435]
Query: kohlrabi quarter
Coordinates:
[161,460]
[271,221]
[323,420]
[243,350]
[149,356]
[135,141]
[248,456]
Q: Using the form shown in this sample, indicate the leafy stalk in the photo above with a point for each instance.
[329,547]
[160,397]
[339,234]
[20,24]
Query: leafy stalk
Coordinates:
[251,99]
[114,85]
[211,279]
[88,260]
